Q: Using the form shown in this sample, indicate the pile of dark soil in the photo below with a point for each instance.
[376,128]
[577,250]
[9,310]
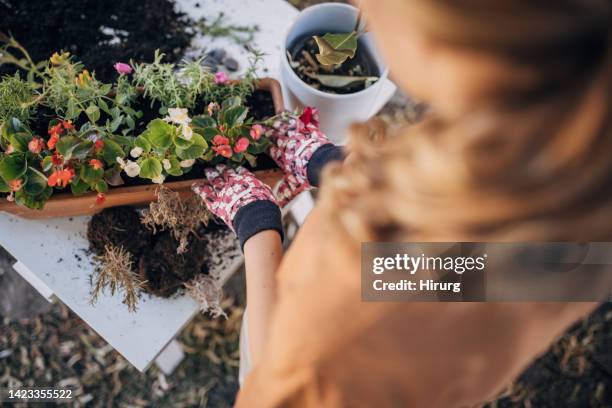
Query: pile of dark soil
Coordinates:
[303,52]
[98,32]
[153,254]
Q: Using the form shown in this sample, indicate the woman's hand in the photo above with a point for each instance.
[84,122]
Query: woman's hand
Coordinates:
[294,142]
[238,198]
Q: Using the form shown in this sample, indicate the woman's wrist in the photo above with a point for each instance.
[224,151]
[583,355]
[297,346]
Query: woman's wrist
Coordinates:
[255,217]
[320,158]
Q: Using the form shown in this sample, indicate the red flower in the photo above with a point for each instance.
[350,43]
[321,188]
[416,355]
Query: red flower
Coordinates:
[256,132]
[99,145]
[96,164]
[219,140]
[36,145]
[310,116]
[222,128]
[100,199]
[60,178]
[224,150]
[53,141]
[15,185]
[241,145]
[67,124]
[57,159]
[56,130]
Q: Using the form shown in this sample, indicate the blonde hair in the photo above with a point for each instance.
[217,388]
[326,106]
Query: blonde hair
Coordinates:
[533,162]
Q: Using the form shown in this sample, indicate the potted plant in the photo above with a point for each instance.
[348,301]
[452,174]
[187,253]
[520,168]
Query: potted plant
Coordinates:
[72,145]
[330,62]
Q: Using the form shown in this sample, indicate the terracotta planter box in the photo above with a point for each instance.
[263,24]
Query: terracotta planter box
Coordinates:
[67,205]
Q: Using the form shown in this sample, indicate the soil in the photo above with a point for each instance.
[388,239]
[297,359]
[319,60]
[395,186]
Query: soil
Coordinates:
[362,64]
[153,254]
[98,32]
[119,226]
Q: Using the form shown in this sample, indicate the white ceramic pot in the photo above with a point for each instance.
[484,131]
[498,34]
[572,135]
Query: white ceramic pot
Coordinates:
[337,111]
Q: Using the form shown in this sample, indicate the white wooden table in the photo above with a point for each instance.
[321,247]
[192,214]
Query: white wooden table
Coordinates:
[51,254]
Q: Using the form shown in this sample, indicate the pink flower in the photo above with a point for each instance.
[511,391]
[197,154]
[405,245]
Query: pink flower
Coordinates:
[224,150]
[15,185]
[221,78]
[122,68]
[256,132]
[241,145]
[219,140]
[96,164]
[212,107]
[36,145]
[10,149]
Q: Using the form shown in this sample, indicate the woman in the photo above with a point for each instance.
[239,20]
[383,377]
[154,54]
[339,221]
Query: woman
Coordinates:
[518,149]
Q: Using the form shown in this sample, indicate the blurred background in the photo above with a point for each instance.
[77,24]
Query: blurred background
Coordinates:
[44,344]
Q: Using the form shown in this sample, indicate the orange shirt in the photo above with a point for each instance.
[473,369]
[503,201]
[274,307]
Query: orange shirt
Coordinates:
[327,348]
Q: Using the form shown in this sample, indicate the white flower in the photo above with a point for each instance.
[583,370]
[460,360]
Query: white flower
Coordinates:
[178,116]
[187,132]
[159,179]
[121,162]
[187,163]
[132,169]
[136,152]
[166,163]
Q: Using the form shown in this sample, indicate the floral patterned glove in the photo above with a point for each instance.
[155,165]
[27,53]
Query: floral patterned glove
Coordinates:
[300,149]
[243,202]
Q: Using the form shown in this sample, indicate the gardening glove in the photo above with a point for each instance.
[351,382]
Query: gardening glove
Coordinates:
[243,202]
[301,150]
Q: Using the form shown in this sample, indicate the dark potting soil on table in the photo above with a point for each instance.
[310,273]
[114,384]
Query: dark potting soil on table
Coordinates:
[362,64]
[98,32]
[153,254]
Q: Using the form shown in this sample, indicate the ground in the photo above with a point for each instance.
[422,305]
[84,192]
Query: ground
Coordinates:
[45,344]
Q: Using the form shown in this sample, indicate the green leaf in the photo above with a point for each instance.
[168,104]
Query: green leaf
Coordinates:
[101,186]
[82,150]
[37,182]
[150,168]
[142,142]
[47,163]
[4,188]
[114,125]
[78,186]
[251,159]
[202,121]
[336,48]
[160,133]
[235,116]
[342,81]
[34,202]
[182,143]
[13,167]
[93,112]
[111,151]
[210,133]
[14,125]
[199,140]
[66,146]
[231,102]
[175,169]
[192,152]
[91,175]
[20,141]
[208,156]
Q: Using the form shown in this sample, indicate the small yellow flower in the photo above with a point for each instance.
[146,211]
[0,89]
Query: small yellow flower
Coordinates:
[84,78]
[58,59]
